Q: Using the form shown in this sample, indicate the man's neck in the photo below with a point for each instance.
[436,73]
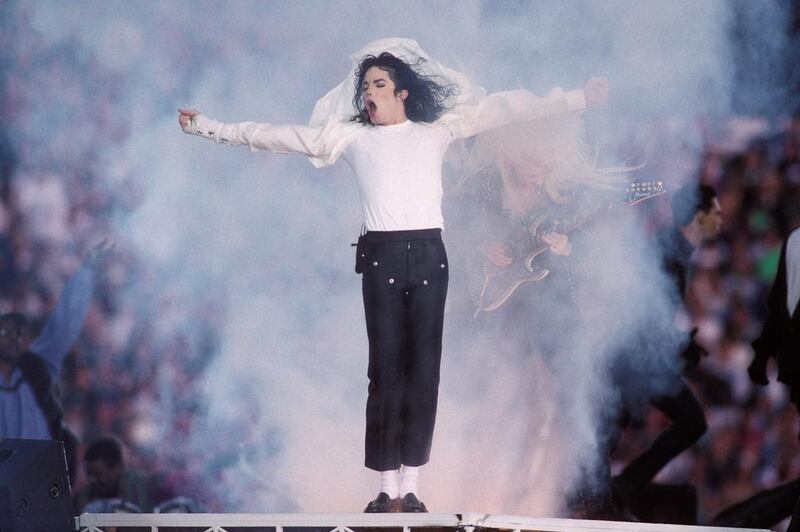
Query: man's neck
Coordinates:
[693,234]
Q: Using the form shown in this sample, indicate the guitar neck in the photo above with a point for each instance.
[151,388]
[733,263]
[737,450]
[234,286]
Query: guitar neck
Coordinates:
[582,213]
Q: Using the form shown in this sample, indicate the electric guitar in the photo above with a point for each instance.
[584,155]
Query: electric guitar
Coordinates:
[494,285]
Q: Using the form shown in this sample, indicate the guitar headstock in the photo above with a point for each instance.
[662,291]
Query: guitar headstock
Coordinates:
[639,191]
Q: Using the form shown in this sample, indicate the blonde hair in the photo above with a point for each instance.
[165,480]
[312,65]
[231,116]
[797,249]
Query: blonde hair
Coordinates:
[558,144]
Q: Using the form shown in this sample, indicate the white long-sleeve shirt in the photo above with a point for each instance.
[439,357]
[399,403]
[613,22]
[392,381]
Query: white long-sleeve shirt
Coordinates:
[398,167]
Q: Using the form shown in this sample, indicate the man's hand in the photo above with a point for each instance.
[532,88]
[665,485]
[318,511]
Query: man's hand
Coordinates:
[496,253]
[757,371]
[559,244]
[185,117]
[596,91]
[693,351]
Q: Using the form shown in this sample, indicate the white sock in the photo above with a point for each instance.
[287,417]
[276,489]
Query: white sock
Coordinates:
[389,483]
[408,484]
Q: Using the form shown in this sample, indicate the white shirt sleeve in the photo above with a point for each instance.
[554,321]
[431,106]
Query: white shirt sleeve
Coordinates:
[322,145]
[509,107]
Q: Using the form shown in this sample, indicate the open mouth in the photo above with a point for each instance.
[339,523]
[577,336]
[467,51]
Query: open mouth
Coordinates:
[371,107]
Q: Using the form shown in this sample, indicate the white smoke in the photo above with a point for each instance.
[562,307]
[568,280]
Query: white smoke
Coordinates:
[265,238]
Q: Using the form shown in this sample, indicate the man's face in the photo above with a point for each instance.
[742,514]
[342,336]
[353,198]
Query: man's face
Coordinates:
[711,221]
[104,478]
[10,341]
[383,106]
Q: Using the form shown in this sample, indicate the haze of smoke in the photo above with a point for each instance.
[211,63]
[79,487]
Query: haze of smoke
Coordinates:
[266,238]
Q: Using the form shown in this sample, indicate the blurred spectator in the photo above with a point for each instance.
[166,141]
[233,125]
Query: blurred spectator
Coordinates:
[29,374]
[178,505]
[113,487]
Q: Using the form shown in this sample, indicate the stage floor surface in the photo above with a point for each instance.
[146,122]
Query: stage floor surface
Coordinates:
[461,522]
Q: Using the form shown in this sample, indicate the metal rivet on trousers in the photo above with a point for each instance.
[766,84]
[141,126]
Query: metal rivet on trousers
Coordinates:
[443,266]
[391,281]
[362,255]
[375,263]
[425,282]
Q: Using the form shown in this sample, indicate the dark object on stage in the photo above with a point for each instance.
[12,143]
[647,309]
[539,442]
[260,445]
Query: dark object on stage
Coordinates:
[667,503]
[765,509]
[34,487]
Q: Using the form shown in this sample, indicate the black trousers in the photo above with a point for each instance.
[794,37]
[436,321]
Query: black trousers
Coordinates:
[688,425]
[404,286]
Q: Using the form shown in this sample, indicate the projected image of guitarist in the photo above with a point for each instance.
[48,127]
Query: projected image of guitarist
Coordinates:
[535,186]
[520,246]
[525,187]
[527,190]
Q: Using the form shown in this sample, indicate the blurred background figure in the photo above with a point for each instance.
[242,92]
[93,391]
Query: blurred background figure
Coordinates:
[696,218]
[780,336]
[30,373]
[113,487]
[178,505]
[779,340]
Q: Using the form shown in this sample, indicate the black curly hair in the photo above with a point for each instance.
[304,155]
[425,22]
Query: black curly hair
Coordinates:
[689,199]
[105,448]
[426,97]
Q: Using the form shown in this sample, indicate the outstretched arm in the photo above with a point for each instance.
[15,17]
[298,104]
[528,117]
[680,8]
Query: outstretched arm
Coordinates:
[322,145]
[66,321]
[508,107]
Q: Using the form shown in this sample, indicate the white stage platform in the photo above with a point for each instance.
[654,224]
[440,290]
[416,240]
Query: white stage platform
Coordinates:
[463,522]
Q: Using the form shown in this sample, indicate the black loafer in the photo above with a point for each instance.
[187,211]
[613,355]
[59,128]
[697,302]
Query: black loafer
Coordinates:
[380,505]
[413,505]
